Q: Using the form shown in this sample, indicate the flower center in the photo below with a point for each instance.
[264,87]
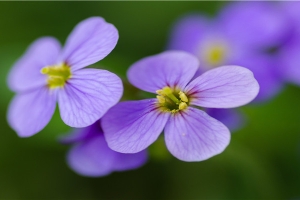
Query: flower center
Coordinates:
[57,75]
[215,54]
[172,100]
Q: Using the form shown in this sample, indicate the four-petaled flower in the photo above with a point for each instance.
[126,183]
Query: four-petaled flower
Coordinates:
[90,155]
[46,74]
[190,134]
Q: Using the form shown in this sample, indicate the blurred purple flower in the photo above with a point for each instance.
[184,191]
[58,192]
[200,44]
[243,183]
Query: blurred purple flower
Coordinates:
[90,155]
[231,118]
[289,53]
[190,134]
[291,11]
[289,59]
[46,74]
[240,35]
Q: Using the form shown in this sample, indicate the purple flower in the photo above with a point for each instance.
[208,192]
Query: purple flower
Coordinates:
[90,155]
[289,59]
[289,53]
[230,117]
[190,134]
[240,35]
[47,74]
[291,11]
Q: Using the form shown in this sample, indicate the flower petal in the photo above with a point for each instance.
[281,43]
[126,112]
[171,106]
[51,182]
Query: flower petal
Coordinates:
[231,118]
[90,41]
[288,59]
[30,112]
[130,127]
[266,71]
[171,68]
[266,26]
[223,87]
[188,32]
[193,135]
[25,73]
[92,157]
[82,134]
[88,95]
[291,9]
[130,161]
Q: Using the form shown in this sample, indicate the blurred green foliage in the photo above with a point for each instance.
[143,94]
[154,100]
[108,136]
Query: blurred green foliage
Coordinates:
[262,161]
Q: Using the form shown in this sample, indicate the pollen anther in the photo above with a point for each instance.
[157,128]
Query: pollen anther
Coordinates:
[160,92]
[172,100]
[161,99]
[183,97]
[45,70]
[57,75]
[182,106]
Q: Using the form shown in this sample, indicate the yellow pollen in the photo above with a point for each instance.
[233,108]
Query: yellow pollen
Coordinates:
[182,106]
[215,54]
[57,75]
[171,100]
[45,70]
[183,97]
[161,99]
[160,92]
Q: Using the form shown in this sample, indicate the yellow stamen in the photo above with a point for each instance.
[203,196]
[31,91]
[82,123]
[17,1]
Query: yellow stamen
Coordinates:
[45,70]
[168,92]
[215,54]
[171,100]
[161,99]
[57,75]
[182,106]
[183,97]
[160,92]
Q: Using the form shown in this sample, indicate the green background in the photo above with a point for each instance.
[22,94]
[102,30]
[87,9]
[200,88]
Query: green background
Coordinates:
[261,162]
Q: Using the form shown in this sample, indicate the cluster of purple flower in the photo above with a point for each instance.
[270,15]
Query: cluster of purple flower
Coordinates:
[261,36]
[183,87]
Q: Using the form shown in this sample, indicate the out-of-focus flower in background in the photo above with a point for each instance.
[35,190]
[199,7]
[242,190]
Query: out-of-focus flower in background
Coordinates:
[90,155]
[241,34]
[233,119]
[261,162]
[289,53]
[190,134]
[46,74]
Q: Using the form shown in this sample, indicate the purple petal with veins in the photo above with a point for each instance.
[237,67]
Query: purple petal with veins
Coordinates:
[193,135]
[171,68]
[223,87]
[30,112]
[90,41]
[88,95]
[130,127]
